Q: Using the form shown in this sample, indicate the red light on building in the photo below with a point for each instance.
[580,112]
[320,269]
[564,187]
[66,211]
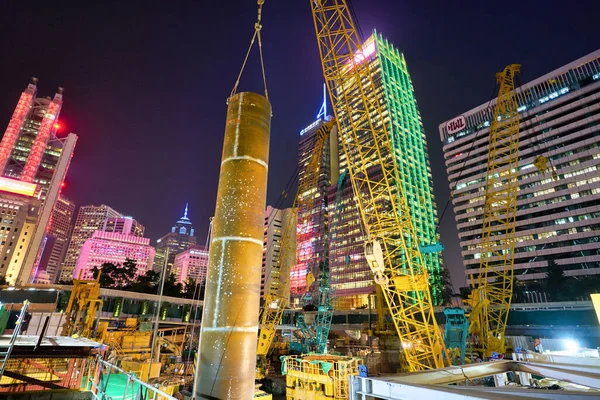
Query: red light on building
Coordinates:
[57,126]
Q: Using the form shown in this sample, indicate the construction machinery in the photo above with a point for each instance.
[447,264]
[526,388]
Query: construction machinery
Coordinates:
[456,332]
[314,338]
[276,298]
[81,310]
[392,247]
[493,285]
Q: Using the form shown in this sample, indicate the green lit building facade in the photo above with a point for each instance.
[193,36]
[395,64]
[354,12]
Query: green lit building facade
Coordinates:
[350,272]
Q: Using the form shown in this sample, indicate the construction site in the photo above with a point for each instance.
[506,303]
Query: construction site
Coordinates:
[80,341]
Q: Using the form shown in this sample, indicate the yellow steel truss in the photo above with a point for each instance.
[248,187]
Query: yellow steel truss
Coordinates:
[276,298]
[494,284]
[376,182]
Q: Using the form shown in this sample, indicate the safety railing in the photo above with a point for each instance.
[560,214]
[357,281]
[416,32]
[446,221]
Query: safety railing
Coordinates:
[112,382]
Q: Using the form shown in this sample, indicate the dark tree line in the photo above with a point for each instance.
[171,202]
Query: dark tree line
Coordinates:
[123,277]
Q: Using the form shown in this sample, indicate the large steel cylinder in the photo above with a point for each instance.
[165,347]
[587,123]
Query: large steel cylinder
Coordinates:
[227,359]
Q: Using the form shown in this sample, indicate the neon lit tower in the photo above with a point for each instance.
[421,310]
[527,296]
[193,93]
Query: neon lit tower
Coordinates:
[33,165]
[311,236]
[394,87]
[16,123]
[47,128]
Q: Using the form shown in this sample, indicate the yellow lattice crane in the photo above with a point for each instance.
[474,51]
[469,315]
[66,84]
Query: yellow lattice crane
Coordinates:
[392,245]
[493,285]
[278,292]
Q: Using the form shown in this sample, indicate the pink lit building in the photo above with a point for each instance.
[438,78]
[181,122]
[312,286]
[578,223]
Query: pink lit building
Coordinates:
[191,263]
[115,248]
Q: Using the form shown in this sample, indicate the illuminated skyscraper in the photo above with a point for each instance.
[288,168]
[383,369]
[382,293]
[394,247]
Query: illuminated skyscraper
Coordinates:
[125,225]
[191,264]
[179,239]
[34,162]
[558,212]
[276,223]
[393,87]
[310,246]
[116,248]
[56,241]
[89,219]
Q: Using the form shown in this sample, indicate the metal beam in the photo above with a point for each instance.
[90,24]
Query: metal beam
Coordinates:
[581,375]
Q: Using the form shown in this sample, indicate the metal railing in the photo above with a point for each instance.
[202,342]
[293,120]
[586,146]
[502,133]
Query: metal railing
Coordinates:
[134,389]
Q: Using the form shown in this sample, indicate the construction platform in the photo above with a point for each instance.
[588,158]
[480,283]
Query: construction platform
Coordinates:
[54,363]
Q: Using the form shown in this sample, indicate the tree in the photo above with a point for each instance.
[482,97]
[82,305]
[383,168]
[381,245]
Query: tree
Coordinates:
[116,276]
[465,292]
[147,283]
[172,287]
[193,290]
[445,285]
[556,283]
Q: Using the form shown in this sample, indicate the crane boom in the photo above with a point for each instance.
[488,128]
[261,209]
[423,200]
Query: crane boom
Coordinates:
[392,247]
[494,286]
[277,296]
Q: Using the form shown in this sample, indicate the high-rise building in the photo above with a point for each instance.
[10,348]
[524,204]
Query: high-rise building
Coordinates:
[179,239]
[34,162]
[312,231]
[56,241]
[191,264]
[18,217]
[558,211]
[113,247]
[125,225]
[89,219]
[277,221]
[351,274]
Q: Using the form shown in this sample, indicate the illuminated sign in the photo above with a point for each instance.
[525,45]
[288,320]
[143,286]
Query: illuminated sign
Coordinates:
[15,186]
[308,128]
[455,125]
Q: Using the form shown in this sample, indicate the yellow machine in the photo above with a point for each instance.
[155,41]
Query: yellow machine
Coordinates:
[277,295]
[391,249]
[493,285]
[319,376]
[81,310]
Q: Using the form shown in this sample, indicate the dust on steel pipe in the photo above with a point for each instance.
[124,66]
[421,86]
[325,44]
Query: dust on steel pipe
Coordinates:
[227,359]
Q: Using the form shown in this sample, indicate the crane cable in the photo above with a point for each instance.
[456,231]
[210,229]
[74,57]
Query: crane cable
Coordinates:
[257,28]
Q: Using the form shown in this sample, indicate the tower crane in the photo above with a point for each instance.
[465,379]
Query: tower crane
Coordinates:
[276,298]
[493,285]
[392,248]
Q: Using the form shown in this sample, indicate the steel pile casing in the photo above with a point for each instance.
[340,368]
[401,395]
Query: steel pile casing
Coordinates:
[232,299]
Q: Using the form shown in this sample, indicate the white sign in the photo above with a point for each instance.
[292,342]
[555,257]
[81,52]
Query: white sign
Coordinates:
[456,125]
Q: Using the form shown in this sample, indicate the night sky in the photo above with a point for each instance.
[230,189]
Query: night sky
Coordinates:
[146,84]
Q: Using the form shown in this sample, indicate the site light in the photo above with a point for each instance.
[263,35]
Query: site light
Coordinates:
[571,345]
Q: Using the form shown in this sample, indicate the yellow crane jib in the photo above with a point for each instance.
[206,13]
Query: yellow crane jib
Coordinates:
[393,246]
[276,298]
[493,282]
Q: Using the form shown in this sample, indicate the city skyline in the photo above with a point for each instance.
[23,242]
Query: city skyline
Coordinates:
[128,116]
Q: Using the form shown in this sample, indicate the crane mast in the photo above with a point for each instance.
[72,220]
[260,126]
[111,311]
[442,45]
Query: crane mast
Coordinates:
[277,296]
[494,284]
[392,247]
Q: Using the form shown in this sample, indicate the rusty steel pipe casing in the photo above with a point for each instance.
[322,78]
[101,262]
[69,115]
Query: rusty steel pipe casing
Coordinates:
[228,338]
